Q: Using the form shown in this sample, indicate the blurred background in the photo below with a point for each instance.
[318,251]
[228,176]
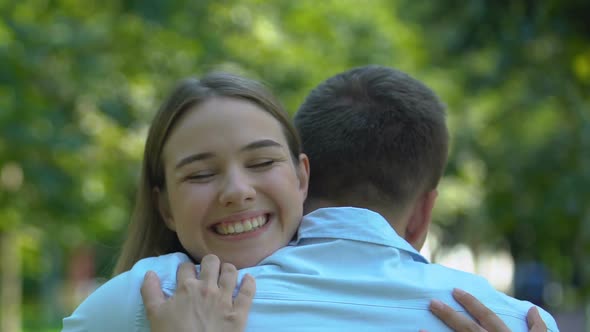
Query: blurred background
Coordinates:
[80,81]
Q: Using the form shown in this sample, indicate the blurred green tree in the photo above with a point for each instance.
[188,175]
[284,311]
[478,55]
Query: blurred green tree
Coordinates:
[523,114]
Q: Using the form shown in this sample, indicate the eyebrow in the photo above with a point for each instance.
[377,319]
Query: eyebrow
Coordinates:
[264,143]
[194,157]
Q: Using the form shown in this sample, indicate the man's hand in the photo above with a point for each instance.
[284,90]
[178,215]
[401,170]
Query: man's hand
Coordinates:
[485,319]
[203,304]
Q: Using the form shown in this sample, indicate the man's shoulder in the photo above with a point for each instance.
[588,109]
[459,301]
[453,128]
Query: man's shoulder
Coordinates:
[116,305]
[167,261]
[478,286]
[164,266]
[447,278]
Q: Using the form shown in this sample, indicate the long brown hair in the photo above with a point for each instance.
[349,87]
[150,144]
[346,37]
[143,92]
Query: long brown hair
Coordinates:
[147,233]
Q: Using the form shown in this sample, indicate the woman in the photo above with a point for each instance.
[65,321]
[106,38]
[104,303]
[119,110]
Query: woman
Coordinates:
[208,136]
[222,174]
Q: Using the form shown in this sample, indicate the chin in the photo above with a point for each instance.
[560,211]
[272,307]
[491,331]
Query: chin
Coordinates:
[242,263]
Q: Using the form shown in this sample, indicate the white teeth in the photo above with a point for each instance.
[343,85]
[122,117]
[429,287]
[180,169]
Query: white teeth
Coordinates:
[247,225]
[220,229]
[241,226]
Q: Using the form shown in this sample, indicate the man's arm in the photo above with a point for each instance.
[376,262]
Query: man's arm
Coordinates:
[203,304]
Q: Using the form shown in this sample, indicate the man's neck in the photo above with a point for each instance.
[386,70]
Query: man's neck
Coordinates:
[311,205]
[397,220]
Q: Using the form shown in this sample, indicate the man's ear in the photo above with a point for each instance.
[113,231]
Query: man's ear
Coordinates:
[303,173]
[420,219]
[160,198]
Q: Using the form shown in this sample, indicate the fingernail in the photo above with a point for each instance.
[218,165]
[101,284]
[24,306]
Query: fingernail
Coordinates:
[436,305]
[459,292]
[148,274]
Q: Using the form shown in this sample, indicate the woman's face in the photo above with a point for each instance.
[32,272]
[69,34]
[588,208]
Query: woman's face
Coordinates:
[232,188]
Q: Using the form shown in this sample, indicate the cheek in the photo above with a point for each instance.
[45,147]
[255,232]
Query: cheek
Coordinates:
[191,203]
[287,193]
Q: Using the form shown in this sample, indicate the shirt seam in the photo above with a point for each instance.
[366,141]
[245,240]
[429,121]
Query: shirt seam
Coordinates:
[281,297]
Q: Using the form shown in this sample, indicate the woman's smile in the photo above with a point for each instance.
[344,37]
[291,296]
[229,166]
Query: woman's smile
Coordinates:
[235,189]
[241,225]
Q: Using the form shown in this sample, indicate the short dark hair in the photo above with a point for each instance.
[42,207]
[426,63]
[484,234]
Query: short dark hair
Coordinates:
[373,135]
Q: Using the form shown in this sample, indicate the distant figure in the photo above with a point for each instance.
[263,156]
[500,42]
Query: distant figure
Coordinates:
[530,279]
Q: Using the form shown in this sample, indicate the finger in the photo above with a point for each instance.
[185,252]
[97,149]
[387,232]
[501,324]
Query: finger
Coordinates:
[186,271]
[245,295]
[486,318]
[228,279]
[453,319]
[151,292]
[534,321]
[210,265]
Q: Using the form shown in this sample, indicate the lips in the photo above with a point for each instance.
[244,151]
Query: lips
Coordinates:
[240,226]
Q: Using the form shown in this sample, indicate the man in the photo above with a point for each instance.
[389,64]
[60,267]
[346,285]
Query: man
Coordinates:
[378,144]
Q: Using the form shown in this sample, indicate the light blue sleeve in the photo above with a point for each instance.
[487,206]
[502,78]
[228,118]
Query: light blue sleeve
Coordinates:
[117,305]
[112,307]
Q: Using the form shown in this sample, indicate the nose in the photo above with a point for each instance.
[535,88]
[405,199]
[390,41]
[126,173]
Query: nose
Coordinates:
[237,189]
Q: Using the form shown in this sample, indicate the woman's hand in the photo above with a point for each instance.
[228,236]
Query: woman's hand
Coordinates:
[203,304]
[485,319]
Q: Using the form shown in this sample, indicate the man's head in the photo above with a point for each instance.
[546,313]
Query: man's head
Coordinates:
[376,138]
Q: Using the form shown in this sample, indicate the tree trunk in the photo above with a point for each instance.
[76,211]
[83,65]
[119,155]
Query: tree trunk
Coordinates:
[10,282]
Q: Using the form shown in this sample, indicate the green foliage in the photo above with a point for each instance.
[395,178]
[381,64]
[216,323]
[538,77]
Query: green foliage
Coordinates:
[80,80]
[524,70]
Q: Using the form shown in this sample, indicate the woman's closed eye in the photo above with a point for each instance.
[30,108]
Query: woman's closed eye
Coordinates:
[262,164]
[200,176]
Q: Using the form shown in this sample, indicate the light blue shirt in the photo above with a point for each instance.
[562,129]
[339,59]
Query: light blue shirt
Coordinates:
[347,270]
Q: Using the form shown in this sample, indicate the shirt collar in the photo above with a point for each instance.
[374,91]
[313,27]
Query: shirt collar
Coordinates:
[355,224]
